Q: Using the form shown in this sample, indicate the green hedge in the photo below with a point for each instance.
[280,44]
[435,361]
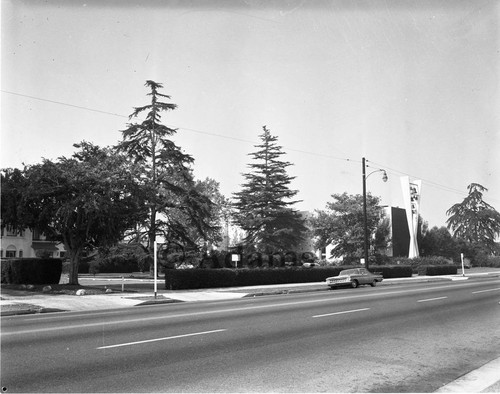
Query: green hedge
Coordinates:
[393,271]
[32,271]
[431,270]
[417,262]
[213,278]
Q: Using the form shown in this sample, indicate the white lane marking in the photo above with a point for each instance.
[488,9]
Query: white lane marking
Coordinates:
[484,291]
[161,339]
[341,313]
[229,310]
[432,299]
[476,381]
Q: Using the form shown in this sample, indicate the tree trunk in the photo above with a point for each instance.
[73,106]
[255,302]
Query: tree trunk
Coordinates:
[74,257]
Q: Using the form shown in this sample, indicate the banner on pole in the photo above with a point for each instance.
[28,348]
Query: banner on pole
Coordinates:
[411,198]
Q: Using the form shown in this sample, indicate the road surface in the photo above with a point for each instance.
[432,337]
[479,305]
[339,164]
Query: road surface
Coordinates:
[413,338]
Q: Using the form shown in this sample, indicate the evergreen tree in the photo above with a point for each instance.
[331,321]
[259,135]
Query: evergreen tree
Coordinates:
[264,205]
[474,220]
[176,207]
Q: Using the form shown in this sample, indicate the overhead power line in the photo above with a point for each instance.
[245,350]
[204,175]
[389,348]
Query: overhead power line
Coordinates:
[65,104]
[387,168]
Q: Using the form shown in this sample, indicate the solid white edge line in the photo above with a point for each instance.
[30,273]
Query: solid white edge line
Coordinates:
[475,381]
[161,339]
[340,313]
[432,299]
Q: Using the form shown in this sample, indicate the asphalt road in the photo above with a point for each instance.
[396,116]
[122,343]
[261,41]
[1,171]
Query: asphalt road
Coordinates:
[413,338]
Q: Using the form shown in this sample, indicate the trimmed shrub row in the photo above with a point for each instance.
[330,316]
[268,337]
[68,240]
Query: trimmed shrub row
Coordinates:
[431,270]
[31,271]
[393,271]
[213,278]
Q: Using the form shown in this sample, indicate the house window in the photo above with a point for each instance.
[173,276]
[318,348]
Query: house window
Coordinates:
[21,254]
[37,235]
[10,254]
[9,231]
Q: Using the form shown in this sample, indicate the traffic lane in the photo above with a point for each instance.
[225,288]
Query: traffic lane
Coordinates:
[274,332]
[253,349]
[210,312]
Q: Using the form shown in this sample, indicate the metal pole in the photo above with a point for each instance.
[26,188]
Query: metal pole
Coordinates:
[155,265]
[365,217]
[462,258]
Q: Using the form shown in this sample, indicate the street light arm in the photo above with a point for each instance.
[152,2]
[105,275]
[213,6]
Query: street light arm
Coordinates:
[365,216]
[384,177]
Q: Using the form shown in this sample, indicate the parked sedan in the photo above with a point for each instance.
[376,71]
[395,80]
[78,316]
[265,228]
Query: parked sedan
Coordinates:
[354,278]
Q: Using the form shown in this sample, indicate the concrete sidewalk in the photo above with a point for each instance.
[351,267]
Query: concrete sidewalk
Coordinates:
[14,302]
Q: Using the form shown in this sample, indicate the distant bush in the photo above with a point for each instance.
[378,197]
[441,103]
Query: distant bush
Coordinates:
[31,271]
[490,261]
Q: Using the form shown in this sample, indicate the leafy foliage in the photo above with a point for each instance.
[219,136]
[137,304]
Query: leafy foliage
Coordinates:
[474,220]
[439,242]
[85,201]
[342,225]
[263,206]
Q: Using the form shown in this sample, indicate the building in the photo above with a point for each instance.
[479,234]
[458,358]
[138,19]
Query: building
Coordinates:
[27,243]
[399,236]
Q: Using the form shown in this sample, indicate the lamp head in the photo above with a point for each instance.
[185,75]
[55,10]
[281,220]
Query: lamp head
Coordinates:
[385,177]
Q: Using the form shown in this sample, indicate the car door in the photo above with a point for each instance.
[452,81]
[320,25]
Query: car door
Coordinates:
[363,276]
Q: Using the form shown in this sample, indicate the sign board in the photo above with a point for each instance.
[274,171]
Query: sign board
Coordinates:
[235,257]
[411,198]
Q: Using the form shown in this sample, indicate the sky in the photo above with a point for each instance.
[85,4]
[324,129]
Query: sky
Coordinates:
[411,85]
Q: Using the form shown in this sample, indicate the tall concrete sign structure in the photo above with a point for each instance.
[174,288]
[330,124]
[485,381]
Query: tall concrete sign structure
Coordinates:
[411,198]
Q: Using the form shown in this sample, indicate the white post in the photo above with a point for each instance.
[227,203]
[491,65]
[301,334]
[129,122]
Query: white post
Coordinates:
[155,263]
[463,270]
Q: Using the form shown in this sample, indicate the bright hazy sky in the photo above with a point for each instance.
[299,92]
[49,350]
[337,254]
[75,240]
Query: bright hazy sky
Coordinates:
[411,85]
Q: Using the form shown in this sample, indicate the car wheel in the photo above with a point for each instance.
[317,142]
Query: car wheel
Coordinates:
[354,284]
[332,287]
[374,283]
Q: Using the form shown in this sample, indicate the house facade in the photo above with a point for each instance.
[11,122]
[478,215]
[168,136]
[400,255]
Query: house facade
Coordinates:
[28,243]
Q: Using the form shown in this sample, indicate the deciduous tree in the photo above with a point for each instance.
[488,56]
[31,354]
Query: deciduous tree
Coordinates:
[85,201]
[341,224]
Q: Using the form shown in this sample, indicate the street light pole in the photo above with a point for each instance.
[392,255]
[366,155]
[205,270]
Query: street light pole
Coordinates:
[365,215]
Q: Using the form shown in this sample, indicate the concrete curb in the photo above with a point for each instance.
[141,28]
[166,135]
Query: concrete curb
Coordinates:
[216,294]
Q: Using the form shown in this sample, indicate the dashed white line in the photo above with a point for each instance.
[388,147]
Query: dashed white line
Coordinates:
[161,339]
[340,313]
[484,291]
[432,299]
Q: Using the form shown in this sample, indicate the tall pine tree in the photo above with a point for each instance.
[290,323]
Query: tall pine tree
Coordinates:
[177,210]
[264,204]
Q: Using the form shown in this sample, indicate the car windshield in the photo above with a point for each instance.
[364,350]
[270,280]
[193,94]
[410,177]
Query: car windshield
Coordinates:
[348,272]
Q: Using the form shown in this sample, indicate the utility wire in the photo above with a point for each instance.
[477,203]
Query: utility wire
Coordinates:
[66,104]
[382,166]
